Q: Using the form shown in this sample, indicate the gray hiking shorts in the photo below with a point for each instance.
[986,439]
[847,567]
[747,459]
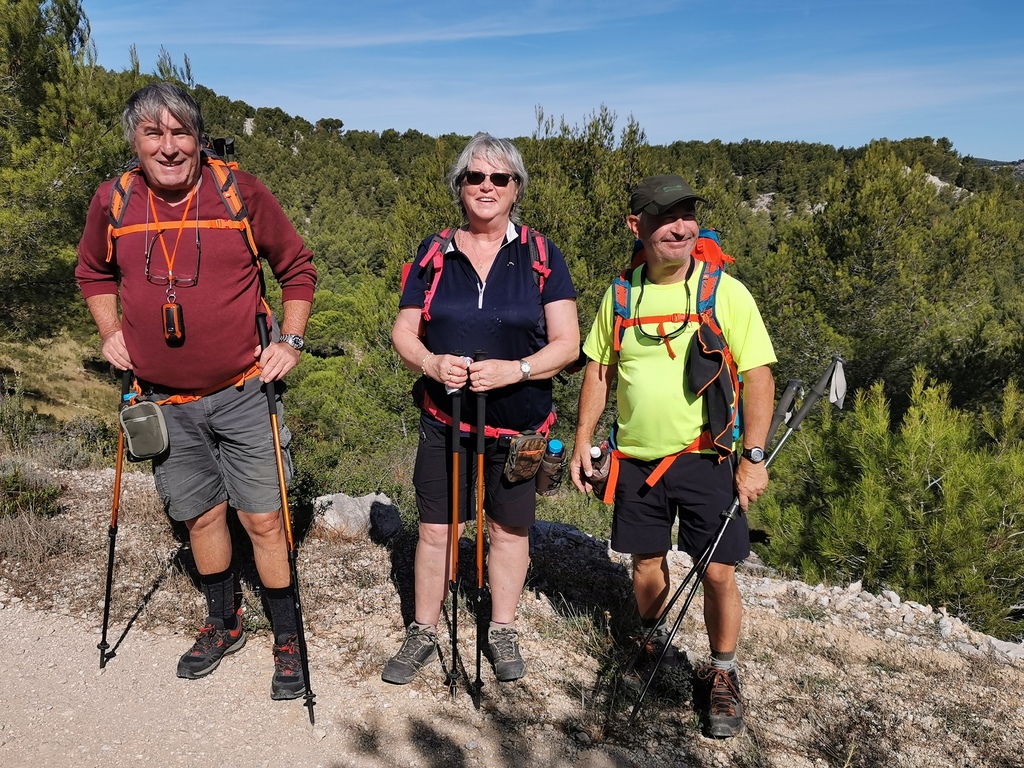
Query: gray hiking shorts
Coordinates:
[221,449]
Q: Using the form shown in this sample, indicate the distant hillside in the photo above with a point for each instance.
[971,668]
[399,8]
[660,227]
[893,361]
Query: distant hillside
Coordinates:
[995,165]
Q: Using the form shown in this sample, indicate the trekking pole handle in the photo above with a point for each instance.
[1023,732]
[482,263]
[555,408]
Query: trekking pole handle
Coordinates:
[264,336]
[817,392]
[784,406]
[126,385]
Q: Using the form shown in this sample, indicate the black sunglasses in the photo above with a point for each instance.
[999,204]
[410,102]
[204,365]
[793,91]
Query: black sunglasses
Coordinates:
[497,179]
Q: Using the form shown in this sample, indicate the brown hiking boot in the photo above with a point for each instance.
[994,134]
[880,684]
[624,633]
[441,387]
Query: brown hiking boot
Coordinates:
[724,714]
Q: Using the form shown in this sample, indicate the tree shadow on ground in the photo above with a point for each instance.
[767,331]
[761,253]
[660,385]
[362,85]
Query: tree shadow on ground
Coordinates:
[595,594]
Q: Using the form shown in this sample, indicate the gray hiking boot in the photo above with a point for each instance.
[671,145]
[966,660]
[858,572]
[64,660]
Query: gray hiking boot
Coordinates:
[723,717]
[418,649]
[503,644]
[212,644]
[288,682]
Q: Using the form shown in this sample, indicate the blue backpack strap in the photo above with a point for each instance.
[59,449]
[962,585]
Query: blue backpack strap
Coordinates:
[621,289]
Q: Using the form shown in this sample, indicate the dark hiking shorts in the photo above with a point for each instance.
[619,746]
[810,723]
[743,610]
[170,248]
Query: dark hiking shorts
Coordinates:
[510,504]
[696,489]
[221,449]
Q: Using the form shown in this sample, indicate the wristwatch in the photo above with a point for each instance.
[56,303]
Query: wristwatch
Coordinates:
[754,455]
[525,368]
[294,341]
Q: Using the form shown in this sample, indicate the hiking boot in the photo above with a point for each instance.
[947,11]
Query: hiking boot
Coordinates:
[418,649]
[212,644]
[724,715]
[503,644]
[647,656]
[288,682]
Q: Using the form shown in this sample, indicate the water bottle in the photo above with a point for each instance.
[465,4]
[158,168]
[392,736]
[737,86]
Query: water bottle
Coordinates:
[601,464]
[552,465]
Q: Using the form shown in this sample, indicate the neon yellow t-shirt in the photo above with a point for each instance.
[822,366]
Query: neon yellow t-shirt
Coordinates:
[658,414]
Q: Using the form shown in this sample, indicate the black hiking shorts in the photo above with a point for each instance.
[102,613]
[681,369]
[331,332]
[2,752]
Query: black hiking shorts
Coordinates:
[695,490]
[510,504]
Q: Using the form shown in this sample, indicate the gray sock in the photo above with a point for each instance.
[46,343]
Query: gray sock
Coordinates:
[725,661]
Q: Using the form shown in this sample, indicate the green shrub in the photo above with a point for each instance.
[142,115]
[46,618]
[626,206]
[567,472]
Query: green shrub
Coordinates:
[930,508]
[23,494]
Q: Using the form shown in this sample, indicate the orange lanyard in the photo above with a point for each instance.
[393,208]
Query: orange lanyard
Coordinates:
[170,257]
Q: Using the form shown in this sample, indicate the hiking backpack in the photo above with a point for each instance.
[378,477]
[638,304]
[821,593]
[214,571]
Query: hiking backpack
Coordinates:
[227,188]
[433,261]
[711,369]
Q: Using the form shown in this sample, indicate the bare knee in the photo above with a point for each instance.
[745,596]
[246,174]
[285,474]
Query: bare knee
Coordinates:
[213,519]
[266,525]
[720,578]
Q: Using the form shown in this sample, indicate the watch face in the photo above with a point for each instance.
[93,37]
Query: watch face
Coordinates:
[756,455]
[524,367]
[294,341]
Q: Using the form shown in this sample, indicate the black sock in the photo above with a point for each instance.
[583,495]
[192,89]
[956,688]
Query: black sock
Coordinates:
[219,589]
[281,603]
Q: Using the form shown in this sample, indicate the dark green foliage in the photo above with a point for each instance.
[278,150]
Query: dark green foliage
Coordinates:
[930,509]
[898,254]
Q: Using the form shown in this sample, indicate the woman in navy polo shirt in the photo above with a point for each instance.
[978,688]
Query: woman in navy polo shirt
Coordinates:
[485,297]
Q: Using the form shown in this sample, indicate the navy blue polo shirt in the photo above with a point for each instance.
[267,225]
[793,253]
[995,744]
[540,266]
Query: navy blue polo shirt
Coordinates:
[503,317]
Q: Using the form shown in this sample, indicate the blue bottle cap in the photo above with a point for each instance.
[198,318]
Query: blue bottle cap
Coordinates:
[555,446]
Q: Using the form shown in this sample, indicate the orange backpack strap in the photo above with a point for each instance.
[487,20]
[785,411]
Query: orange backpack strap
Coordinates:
[119,194]
[231,195]
[227,188]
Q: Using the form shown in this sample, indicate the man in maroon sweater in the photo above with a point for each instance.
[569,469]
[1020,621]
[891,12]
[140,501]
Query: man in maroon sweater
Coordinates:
[175,258]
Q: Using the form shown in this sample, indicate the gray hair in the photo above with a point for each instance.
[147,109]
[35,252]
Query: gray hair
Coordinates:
[148,103]
[500,153]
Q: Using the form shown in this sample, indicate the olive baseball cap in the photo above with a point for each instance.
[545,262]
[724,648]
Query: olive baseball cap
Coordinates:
[656,194]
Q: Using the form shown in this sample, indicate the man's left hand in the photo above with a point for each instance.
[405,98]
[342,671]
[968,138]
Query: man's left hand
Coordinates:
[751,482]
[278,359]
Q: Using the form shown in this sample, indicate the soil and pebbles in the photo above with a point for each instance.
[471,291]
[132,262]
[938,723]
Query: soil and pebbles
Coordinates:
[831,675]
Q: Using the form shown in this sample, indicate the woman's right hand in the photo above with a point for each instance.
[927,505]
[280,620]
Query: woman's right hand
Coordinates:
[450,370]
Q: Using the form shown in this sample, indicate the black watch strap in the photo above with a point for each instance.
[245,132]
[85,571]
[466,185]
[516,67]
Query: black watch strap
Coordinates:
[754,455]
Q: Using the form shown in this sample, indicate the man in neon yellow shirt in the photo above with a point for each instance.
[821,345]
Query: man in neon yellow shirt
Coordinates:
[660,416]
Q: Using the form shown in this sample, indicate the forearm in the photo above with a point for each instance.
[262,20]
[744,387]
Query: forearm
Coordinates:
[103,308]
[758,404]
[594,394]
[295,316]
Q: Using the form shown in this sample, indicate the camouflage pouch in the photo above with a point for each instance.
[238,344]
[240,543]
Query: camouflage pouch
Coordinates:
[525,452]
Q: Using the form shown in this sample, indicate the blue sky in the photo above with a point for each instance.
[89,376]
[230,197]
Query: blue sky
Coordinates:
[833,71]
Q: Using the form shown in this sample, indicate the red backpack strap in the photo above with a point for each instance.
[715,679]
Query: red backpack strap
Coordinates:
[433,262]
[538,254]
[620,302]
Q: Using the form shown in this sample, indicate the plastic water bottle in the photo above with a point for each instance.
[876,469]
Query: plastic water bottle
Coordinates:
[601,463]
[552,466]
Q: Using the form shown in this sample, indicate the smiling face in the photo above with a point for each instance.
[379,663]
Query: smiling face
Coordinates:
[169,156]
[668,238]
[487,203]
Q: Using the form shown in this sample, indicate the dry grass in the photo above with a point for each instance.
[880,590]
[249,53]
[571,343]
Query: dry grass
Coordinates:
[56,380]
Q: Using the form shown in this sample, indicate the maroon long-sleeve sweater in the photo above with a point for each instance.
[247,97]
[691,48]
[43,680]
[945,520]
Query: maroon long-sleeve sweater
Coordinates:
[220,309]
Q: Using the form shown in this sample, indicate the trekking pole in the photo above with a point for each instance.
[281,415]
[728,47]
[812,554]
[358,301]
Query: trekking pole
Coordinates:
[700,567]
[126,382]
[481,421]
[271,389]
[783,411]
[453,534]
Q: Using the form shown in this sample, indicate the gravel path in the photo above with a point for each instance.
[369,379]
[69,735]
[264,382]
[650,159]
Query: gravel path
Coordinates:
[59,708]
